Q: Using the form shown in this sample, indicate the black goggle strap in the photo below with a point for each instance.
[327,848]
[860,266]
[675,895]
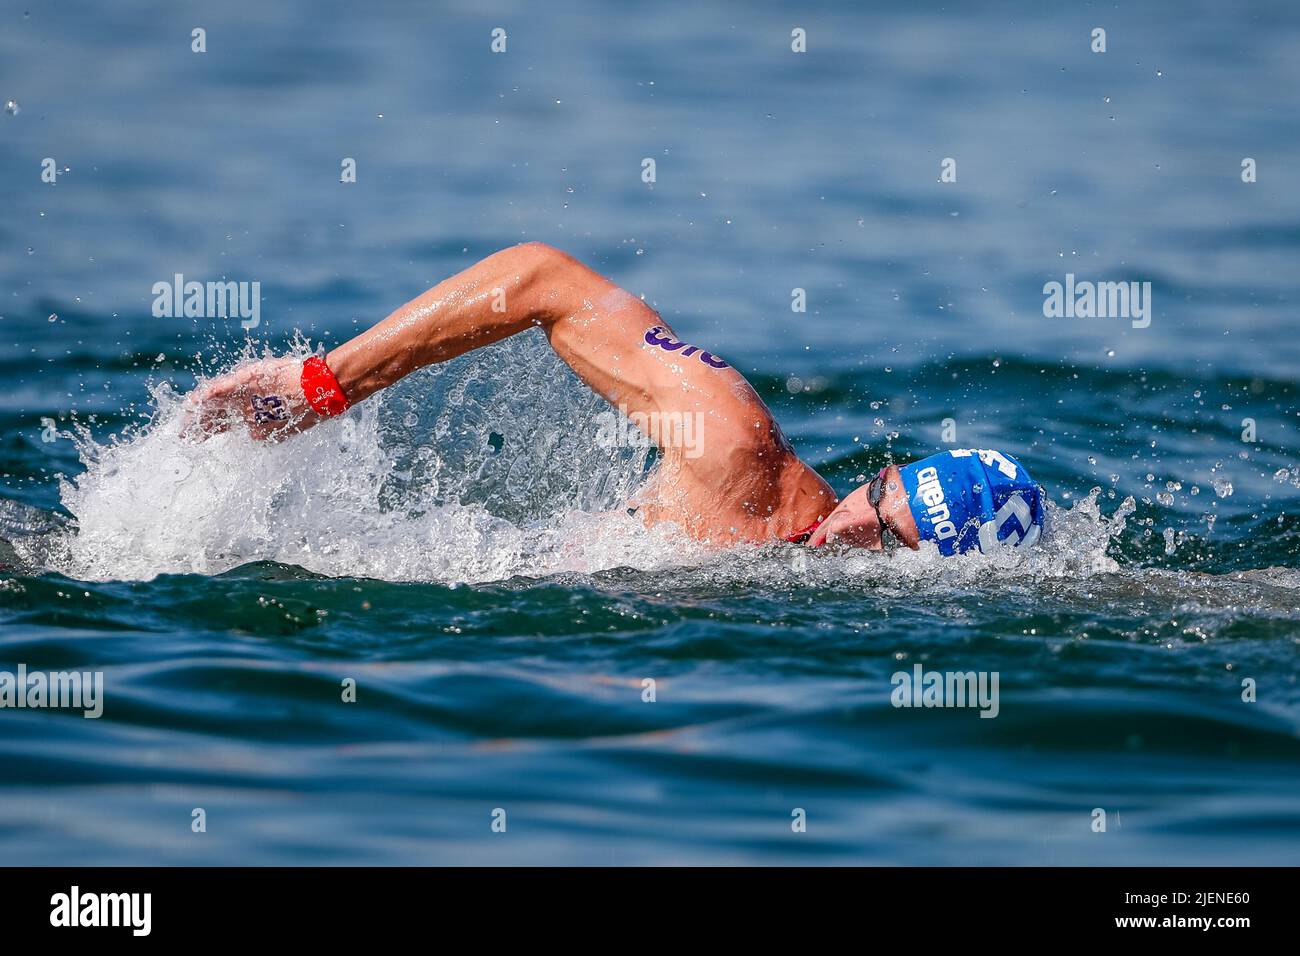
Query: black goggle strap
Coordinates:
[875,491]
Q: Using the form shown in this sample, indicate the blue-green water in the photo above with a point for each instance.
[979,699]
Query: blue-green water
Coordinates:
[457,548]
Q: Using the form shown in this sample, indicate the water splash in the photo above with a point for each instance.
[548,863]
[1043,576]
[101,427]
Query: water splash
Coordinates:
[479,470]
[476,471]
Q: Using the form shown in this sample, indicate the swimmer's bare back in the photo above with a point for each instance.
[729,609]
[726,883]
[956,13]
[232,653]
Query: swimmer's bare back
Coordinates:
[726,473]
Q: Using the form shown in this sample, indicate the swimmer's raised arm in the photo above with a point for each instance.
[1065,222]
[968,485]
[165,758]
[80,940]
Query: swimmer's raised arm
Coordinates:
[614,342]
[517,288]
[490,300]
[512,290]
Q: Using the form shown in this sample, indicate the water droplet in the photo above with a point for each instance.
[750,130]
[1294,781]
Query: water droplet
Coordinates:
[54,317]
[1222,488]
[12,107]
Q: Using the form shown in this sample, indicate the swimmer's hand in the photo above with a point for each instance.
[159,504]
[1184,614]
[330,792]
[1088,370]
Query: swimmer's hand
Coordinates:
[265,396]
[853,522]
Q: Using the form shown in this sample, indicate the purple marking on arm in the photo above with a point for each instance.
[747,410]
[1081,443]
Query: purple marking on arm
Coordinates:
[665,342]
[657,336]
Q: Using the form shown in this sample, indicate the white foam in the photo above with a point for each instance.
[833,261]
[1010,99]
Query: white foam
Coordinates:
[401,488]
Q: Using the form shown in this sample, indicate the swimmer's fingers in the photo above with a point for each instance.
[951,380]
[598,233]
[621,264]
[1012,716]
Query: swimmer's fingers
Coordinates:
[272,425]
[819,537]
[847,527]
[207,412]
[215,406]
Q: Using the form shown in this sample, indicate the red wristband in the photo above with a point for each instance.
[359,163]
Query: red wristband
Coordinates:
[322,389]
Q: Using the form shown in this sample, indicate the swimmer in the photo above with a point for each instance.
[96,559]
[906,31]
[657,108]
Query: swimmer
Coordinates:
[736,480]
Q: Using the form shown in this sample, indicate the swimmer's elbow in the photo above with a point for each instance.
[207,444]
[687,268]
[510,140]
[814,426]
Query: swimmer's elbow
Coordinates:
[557,281]
[542,261]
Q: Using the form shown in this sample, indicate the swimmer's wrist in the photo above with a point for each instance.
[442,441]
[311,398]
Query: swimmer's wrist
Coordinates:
[361,372]
[322,390]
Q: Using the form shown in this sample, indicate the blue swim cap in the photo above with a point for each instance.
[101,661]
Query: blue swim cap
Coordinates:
[972,498]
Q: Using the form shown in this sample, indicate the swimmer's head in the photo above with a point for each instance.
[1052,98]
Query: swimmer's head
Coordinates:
[962,500]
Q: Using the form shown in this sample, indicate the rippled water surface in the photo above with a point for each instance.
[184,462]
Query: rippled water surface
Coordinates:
[458,548]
